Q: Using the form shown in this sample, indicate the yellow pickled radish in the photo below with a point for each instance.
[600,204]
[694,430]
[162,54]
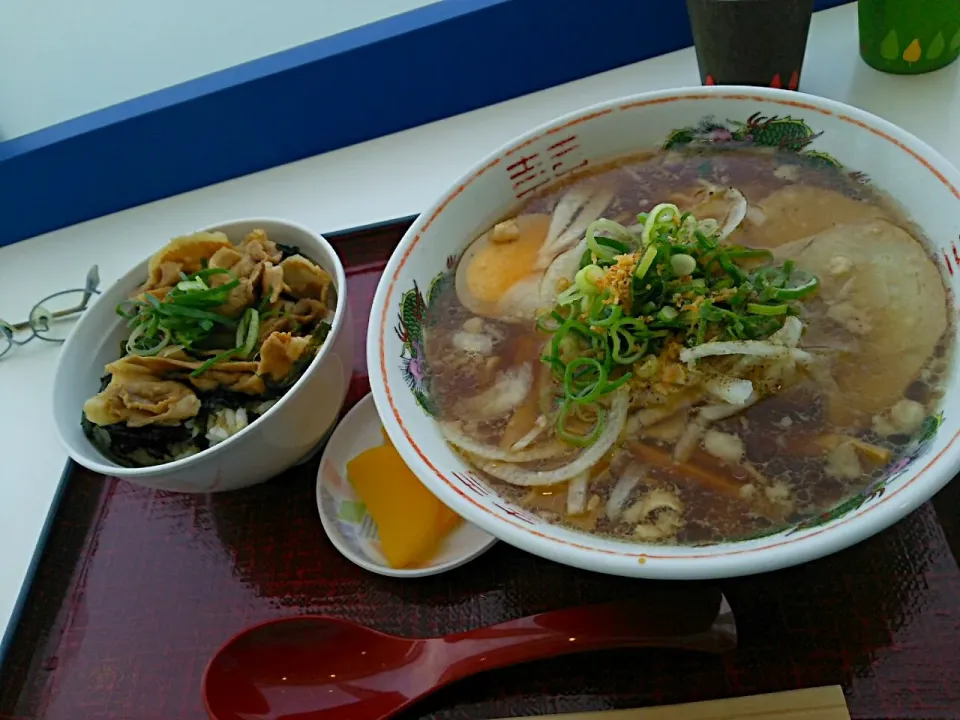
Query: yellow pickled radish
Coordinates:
[411,520]
[447,520]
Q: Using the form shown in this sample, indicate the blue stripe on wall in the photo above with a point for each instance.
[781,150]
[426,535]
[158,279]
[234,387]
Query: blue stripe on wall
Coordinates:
[425,65]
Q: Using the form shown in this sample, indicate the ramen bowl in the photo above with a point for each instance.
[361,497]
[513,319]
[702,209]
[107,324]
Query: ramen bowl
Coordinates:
[871,150]
[284,434]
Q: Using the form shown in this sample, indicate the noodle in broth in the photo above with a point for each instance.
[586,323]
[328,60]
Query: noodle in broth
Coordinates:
[690,347]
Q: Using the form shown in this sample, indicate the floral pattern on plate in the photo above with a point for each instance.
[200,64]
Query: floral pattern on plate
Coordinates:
[414,307]
[779,132]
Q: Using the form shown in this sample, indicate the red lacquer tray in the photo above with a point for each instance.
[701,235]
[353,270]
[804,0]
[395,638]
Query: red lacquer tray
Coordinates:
[136,588]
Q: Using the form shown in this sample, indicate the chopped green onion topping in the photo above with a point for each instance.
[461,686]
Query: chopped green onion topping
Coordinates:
[615,239]
[646,262]
[667,313]
[588,278]
[662,216]
[139,344]
[248,332]
[186,316]
[222,357]
[689,287]
[683,264]
[576,438]
[757,309]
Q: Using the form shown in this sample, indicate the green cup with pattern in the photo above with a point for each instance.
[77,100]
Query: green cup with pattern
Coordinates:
[909,37]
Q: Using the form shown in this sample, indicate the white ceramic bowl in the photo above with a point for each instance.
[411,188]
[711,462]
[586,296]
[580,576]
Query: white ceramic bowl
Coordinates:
[926,185]
[274,442]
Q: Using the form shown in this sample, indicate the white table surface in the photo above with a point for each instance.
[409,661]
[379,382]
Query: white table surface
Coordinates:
[378,180]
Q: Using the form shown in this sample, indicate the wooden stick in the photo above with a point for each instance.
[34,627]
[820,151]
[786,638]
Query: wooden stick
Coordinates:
[823,703]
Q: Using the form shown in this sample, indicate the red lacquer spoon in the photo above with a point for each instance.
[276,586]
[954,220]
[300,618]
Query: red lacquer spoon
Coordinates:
[322,668]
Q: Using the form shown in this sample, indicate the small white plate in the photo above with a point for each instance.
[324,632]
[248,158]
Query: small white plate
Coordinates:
[344,516]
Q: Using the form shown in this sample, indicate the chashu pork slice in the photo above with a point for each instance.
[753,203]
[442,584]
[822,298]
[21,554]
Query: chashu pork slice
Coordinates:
[879,284]
[799,211]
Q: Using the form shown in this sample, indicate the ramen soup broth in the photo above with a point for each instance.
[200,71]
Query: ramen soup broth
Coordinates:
[690,347]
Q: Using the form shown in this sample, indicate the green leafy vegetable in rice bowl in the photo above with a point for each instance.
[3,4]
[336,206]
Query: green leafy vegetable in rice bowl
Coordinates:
[218,333]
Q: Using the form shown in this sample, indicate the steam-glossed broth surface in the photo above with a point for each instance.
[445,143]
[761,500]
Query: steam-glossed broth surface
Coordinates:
[691,347]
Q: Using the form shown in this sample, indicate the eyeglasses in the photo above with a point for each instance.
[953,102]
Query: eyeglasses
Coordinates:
[48,318]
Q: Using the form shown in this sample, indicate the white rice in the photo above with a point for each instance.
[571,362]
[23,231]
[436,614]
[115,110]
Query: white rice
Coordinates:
[224,423]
